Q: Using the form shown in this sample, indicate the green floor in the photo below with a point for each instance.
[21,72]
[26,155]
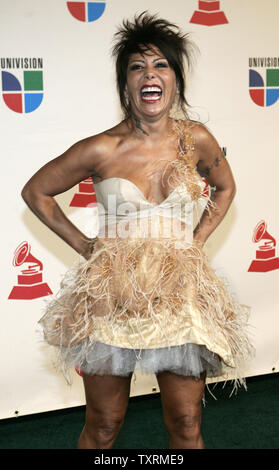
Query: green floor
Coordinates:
[249,420]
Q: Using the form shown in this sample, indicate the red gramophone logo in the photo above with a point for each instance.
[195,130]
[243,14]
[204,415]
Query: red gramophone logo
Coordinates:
[30,285]
[209,14]
[85,197]
[206,189]
[265,253]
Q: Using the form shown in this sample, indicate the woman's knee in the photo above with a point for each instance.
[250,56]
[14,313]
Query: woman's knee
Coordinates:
[104,429]
[109,427]
[186,425]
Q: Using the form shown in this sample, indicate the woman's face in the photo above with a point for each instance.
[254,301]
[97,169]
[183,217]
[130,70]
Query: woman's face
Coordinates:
[151,84]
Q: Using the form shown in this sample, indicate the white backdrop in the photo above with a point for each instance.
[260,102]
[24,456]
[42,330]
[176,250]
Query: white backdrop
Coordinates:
[77,98]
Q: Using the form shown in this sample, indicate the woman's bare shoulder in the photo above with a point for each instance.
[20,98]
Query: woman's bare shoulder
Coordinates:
[101,142]
[205,143]
[105,142]
[200,131]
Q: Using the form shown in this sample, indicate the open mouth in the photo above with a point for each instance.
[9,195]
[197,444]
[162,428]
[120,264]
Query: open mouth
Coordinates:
[151,93]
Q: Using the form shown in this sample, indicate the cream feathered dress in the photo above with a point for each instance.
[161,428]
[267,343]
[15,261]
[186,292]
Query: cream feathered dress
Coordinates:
[148,298]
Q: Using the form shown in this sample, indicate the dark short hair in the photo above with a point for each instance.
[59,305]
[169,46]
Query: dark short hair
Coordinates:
[136,37]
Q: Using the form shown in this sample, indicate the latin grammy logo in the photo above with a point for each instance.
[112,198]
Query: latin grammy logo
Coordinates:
[86,196]
[265,254]
[209,14]
[30,285]
[206,189]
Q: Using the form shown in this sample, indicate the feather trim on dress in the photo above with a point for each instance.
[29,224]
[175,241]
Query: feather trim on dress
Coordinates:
[150,296]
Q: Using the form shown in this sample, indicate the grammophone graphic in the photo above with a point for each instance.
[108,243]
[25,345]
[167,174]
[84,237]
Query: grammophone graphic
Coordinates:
[209,14]
[266,259]
[30,283]
[86,11]
[85,197]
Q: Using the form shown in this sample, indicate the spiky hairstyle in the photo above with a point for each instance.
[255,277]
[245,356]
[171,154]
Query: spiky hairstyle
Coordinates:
[137,37]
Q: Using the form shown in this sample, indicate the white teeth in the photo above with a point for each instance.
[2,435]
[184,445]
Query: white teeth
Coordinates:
[151,93]
[150,98]
[151,89]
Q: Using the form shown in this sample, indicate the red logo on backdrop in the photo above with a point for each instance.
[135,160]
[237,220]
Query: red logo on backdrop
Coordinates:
[78,371]
[206,189]
[30,285]
[265,253]
[85,197]
[86,11]
[209,14]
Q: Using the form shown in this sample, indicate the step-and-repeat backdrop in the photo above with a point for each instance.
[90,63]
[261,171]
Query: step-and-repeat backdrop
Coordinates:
[58,86]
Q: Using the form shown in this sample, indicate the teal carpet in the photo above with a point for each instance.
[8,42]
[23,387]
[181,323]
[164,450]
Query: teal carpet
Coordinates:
[248,420]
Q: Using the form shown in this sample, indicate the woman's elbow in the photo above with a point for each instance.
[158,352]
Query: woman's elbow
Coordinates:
[30,195]
[233,191]
[228,193]
[230,190]
[26,192]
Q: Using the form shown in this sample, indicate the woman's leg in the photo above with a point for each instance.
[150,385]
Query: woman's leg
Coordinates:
[107,399]
[182,409]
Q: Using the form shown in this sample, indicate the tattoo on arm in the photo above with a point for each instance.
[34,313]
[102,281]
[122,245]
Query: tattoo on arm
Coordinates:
[216,163]
[139,126]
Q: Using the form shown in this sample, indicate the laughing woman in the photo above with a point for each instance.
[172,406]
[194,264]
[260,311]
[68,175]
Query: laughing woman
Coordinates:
[144,295]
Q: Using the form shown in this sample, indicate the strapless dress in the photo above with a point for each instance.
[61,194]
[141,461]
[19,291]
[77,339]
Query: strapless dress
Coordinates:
[148,298]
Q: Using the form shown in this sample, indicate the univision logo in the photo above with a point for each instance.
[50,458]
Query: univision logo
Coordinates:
[86,11]
[22,90]
[264,84]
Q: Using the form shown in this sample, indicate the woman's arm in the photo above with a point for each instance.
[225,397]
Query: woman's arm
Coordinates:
[57,176]
[216,170]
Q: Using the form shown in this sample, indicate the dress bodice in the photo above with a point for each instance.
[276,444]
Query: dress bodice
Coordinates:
[125,191]
[121,200]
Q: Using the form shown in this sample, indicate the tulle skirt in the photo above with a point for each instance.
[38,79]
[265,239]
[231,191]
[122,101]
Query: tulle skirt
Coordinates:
[102,359]
[147,305]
